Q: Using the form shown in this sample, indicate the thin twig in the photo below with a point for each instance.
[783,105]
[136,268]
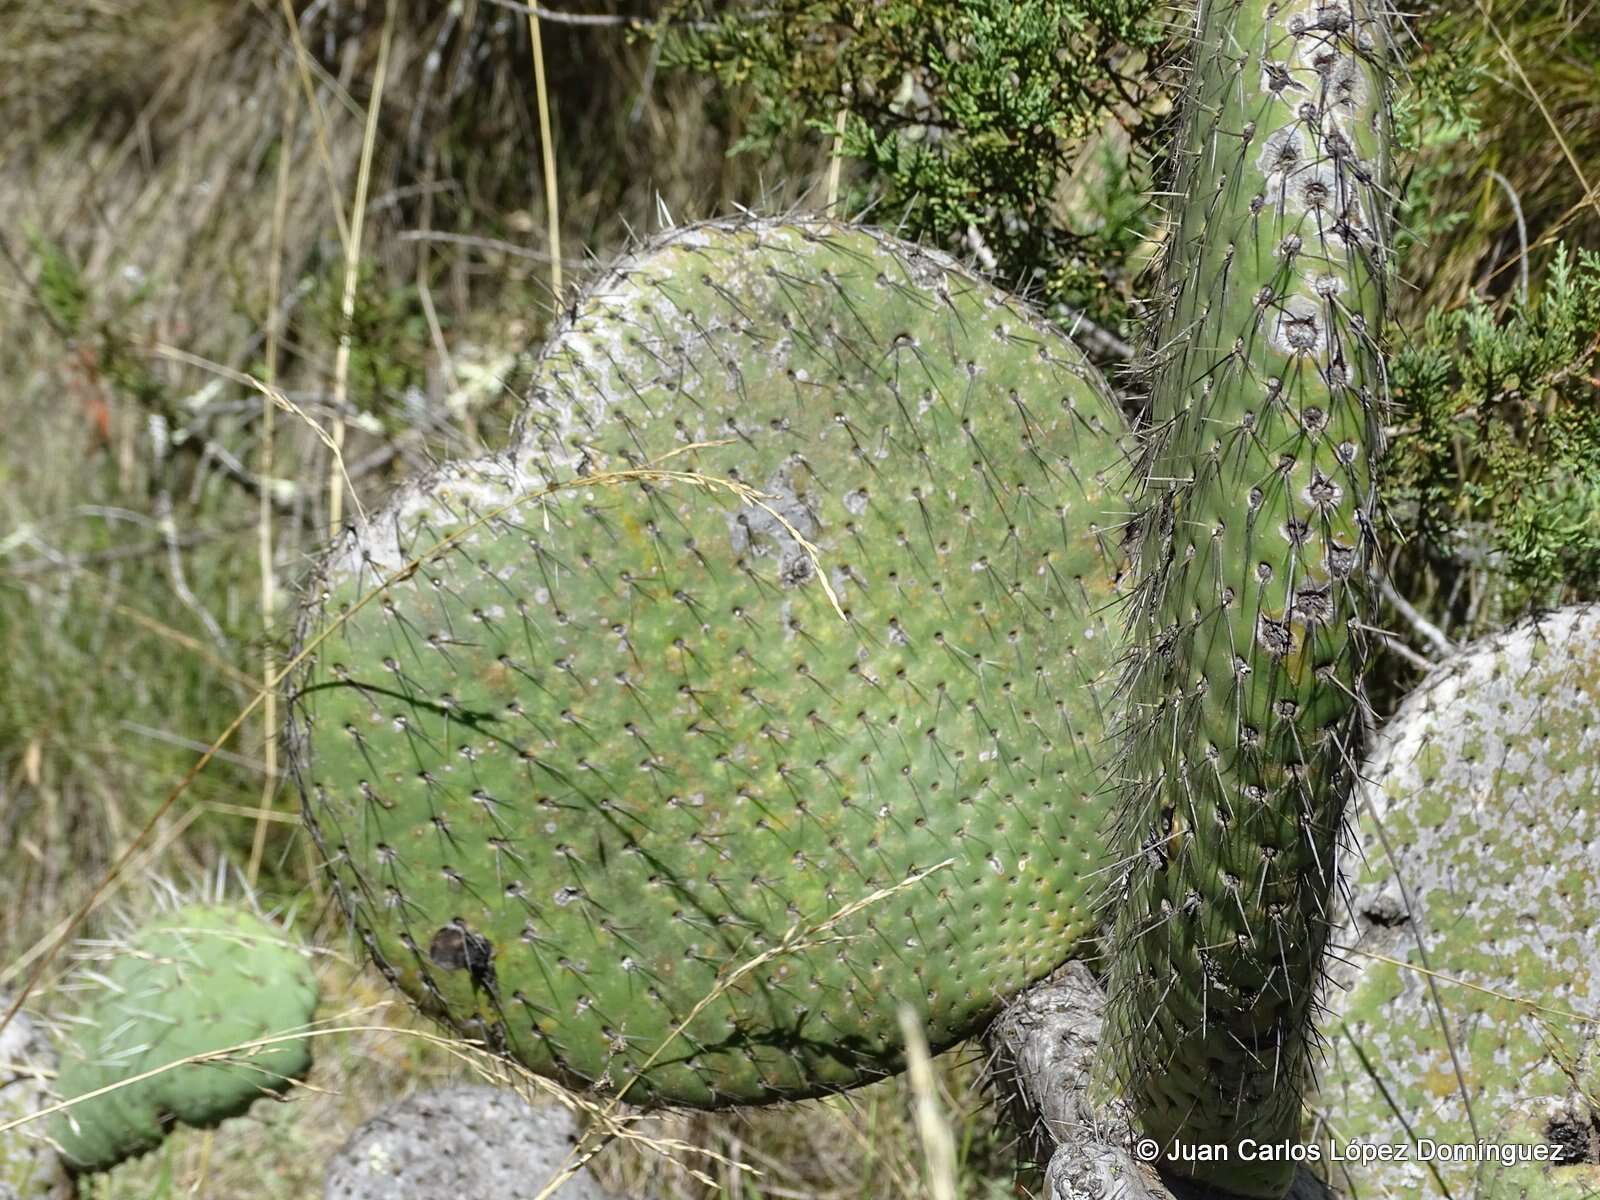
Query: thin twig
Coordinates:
[264,555]
[836,158]
[1098,336]
[1522,233]
[493,245]
[50,562]
[589,20]
[1430,632]
[180,583]
[183,743]
[548,152]
[613,20]
[352,271]
[1389,639]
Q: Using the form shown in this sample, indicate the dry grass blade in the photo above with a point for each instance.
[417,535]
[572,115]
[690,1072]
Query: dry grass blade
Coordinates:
[1590,196]
[265,563]
[547,153]
[1521,1001]
[352,273]
[796,939]
[933,1129]
[319,124]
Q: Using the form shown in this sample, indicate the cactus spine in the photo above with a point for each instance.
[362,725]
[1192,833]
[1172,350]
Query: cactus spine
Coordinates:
[1244,684]
[605,745]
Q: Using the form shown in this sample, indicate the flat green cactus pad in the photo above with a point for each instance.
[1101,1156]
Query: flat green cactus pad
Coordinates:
[815,608]
[1566,1124]
[197,981]
[1481,837]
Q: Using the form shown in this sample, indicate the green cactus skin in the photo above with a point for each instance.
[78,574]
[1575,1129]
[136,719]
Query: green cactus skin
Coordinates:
[199,980]
[616,741]
[1552,1121]
[1243,708]
[1480,838]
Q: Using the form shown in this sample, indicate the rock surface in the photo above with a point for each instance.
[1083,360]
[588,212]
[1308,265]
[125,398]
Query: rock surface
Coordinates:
[1044,1046]
[460,1143]
[29,1166]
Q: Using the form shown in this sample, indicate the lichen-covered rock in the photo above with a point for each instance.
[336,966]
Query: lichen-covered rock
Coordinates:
[460,1143]
[196,981]
[1480,847]
[30,1168]
[815,607]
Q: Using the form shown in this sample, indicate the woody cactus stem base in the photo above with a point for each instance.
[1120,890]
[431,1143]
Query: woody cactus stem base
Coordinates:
[754,693]
[1244,686]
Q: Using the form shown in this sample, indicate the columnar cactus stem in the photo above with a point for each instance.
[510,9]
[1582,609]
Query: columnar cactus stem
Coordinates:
[1244,684]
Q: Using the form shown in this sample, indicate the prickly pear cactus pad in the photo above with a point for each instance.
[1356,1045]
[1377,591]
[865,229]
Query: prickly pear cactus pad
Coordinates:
[1480,840]
[1243,690]
[609,743]
[196,981]
[1566,1124]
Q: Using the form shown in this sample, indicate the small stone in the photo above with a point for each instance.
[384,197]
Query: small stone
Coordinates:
[29,1166]
[469,1141]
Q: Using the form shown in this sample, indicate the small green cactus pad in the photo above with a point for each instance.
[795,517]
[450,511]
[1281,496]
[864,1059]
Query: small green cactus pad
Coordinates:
[609,742]
[30,1169]
[1480,837]
[196,981]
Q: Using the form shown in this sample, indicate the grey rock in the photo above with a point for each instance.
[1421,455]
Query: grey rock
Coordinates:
[30,1169]
[460,1143]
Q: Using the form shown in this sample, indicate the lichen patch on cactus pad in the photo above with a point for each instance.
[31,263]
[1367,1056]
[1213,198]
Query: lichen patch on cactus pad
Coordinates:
[789,590]
[1480,838]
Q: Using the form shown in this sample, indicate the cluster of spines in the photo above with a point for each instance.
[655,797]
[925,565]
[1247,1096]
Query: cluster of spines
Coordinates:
[1243,693]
